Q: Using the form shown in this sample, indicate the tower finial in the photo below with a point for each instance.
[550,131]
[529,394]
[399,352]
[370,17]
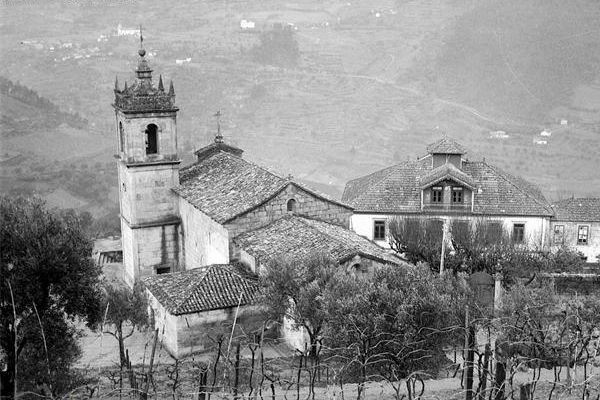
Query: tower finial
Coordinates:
[160,84]
[116,83]
[171,89]
[141,51]
[218,137]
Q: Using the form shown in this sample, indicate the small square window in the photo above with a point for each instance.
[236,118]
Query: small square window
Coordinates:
[379,230]
[163,270]
[559,234]
[436,194]
[583,232]
[518,233]
[457,195]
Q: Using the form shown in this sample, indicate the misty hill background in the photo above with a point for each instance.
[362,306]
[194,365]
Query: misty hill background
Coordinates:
[324,90]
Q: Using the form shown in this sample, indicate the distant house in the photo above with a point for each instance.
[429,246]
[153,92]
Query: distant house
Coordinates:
[576,224]
[546,133]
[245,24]
[444,187]
[183,61]
[564,122]
[127,31]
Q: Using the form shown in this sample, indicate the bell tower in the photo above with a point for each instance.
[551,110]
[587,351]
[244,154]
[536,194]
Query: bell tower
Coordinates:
[148,164]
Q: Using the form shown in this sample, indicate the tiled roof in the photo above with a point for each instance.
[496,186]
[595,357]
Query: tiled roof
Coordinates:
[224,186]
[446,145]
[446,171]
[202,289]
[397,189]
[578,210]
[299,237]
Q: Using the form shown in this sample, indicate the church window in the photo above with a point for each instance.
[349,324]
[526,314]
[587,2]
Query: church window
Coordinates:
[436,194]
[291,205]
[151,139]
[121,137]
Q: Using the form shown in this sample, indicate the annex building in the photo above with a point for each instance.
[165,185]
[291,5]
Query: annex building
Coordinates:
[198,235]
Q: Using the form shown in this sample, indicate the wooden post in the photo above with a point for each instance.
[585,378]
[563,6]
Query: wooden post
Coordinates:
[469,363]
[443,255]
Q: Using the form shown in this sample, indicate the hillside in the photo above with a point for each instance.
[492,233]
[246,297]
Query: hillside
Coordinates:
[372,84]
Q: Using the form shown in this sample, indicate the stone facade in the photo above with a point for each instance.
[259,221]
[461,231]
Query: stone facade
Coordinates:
[146,195]
[150,250]
[307,204]
[205,241]
[189,333]
[131,136]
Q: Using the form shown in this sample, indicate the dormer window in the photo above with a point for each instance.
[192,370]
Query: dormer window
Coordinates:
[151,139]
[457,195]
[437,194]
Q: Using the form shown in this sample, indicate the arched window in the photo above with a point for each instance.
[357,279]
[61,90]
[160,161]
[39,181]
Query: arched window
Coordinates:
[151,139]
[291,205]
[121,137]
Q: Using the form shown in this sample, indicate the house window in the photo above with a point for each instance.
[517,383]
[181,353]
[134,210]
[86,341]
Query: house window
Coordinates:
[121,137]
[559,234]
[379,230]
[583,232]
[518,233]
[436,194]
[151,139]
[163,270]
[457,195]
[291,205]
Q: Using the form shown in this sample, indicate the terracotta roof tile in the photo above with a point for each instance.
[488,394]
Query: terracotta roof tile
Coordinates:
[446,145]
[224,186]
[299,237]
[397,189]
[585,209]
[207,288]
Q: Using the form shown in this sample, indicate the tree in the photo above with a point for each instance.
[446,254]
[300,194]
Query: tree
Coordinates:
[395,323]
[48,281]
[292,288]
[124,309]
[480,246]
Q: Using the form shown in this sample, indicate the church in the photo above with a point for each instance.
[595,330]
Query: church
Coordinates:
[198,235]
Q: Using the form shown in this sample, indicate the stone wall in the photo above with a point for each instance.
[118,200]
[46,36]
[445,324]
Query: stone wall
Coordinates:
[146,195]
[205,241]
[164,322]
[149,248]
[307,204]
[575,284]
[194,331]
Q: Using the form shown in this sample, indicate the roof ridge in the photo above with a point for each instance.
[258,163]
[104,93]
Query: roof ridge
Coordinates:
[192,289]
[313,228]
[504,176]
